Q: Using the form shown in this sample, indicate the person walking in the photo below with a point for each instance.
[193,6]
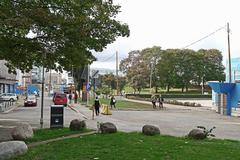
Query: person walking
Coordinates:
[113,102]
[160,100]
[70,98]
[96,105]
[154,100]
[75,97]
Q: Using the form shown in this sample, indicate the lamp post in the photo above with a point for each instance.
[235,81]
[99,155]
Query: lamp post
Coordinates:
[42,98]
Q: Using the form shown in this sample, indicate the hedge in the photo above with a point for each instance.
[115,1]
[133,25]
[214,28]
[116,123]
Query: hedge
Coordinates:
[148,96]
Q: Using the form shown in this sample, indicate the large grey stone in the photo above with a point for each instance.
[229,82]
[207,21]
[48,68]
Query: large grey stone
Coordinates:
[150,130]
[108,128]
[22,132]
[197,134]
[12,149]
[77,124]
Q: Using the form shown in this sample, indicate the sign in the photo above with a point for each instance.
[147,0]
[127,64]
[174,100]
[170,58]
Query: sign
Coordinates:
[88,86]
[95,73]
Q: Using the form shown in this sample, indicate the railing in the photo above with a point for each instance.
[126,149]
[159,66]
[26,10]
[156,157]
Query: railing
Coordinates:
[5,105]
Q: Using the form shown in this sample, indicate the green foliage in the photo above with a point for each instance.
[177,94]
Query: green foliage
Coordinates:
[123,104]
[172,68]
[104,89]
[134,146]
[56,34]
[139,66]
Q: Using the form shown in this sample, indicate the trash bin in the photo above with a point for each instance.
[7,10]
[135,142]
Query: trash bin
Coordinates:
[56,119]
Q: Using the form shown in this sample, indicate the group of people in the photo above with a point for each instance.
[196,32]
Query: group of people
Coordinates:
[73,96]
[156,99]
[97,104]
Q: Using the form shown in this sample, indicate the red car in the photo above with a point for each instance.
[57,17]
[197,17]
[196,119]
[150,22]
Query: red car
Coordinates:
[60,99]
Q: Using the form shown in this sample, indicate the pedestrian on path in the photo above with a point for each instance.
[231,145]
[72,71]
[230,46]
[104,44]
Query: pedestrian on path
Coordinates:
[113,102]
[70,98]
[75,97]
[160,100]
[96,105]
[154,100]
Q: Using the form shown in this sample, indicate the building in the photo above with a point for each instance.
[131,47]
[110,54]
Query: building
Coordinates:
[226,95]
[36,73]
[53,80]
[7,80]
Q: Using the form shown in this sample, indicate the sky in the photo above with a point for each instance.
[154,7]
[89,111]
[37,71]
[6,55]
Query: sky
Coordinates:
[174,24]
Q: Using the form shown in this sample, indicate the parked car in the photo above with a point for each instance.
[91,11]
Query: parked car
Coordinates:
[60,99]
[8,97]
[31,100]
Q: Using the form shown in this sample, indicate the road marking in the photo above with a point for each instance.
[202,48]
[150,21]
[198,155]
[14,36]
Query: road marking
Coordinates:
[7,126]
[9,119]
[238,123]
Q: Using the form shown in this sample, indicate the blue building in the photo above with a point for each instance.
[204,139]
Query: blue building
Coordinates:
[226,95]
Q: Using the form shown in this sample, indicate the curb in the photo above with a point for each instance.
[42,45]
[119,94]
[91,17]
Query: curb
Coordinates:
[77,111]
[61,138]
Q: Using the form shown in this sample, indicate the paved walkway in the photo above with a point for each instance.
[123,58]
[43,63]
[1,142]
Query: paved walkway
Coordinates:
[174,120]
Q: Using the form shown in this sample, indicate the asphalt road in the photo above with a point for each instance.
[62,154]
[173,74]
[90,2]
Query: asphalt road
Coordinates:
[32,116]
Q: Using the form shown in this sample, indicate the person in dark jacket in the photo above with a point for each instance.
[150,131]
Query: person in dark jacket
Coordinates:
[97,105]
[154,100]
[160,100]
[113,102]
[70,98]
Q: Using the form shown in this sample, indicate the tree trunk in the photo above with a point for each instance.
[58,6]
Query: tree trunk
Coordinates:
[186,88]
[156,89]
[182,89]
[168,88]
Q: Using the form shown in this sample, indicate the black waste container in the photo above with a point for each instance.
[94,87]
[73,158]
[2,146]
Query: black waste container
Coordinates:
[56,118]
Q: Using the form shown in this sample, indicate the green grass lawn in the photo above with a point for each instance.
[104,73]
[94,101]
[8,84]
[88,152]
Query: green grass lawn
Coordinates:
[122,104]
[134,146]
[45,134]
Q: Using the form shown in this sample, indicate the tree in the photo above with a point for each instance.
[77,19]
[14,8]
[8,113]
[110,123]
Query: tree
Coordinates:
[122,82]
[108,80]
[166,68]
[138,65]
[56,34]
[213,69]
[151,56]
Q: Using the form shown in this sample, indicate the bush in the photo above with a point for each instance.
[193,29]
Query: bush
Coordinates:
[148,96]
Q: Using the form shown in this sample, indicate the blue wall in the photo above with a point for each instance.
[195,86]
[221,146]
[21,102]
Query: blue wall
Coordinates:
[235,95]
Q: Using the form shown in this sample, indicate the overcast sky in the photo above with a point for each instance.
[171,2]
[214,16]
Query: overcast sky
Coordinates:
[174,24]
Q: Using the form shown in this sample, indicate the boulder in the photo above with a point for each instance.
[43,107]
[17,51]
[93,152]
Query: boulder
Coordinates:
[11,149]
[108,128]
[22,132]
[77,124]
[197,134]
[150,130]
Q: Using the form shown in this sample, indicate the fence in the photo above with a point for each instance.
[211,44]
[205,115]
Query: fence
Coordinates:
[5,105]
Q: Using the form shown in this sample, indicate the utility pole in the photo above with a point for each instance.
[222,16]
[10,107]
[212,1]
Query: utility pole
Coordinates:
[41,119]
[229,56]
[88,72]
[117,72]
[50,83]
